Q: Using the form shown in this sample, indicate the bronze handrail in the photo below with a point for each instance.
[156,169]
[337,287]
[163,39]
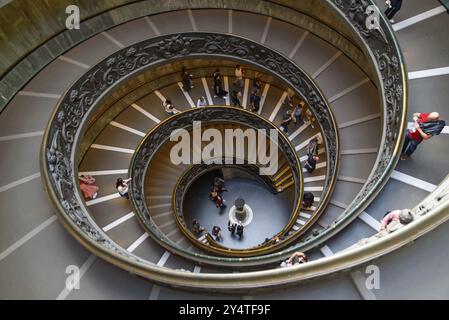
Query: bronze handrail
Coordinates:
[59,174]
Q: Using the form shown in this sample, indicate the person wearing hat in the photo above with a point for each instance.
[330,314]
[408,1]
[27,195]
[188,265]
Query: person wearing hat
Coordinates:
[394,220]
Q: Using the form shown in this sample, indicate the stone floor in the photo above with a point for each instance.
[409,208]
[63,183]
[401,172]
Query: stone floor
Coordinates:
[271,212]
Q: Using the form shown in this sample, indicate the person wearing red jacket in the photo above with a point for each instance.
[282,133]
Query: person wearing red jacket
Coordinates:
[416,135]
[215,197]
[88,187]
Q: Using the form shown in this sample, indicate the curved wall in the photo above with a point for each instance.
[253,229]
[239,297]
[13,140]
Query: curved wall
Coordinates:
[34,33]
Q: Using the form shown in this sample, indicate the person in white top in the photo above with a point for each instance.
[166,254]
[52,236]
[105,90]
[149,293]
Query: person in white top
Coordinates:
[122,186]
[201,102]
[169,107]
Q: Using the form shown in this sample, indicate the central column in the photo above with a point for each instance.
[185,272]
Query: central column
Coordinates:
[240,211]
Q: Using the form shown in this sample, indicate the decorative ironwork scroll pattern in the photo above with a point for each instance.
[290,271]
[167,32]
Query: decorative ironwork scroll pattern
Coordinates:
[382,44]
[73,110]
[157,138]
[68,121]
[194,172]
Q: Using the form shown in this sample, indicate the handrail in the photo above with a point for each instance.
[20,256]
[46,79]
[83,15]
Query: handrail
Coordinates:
[98,20]
[159,81]
[186,180]
[79,103]
[381,45]
[62,136]
[153,141]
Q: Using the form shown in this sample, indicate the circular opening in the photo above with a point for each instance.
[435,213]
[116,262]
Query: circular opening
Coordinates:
[263,214]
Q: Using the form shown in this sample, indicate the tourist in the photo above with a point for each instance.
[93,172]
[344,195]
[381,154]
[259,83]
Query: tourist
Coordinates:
[254,100]
[310,119]
[425,125]
[168,107]
[122,186]
[88,187]
[235,97]
[287,119]
[307,200]
[201,102]
[219,184]
[218,86]
[239,72]
[216,232]
[311,161]
[239,230]
[312,146]
[196,227]
[257,84]
[187,80]
[288,102]
[215,197]
[232,226]
[295,259]
[238,82]
[394,220]
[297,112]
[391,222]
[393,6]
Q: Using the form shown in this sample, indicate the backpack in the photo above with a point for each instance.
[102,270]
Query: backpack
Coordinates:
[433,127]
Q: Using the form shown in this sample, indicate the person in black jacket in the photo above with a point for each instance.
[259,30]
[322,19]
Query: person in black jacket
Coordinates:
[235,97]
[255,99]
[187,80]
[232,226]
[393,7]
[307,200]
[287,119]
[239,230]
[216,232]
[218,85]
[219,184]
[311,163]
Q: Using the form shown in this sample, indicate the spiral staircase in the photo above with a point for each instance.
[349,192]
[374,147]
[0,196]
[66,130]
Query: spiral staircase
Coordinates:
[358,93]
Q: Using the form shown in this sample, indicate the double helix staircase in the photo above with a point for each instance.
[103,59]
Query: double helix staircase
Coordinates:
[353,99]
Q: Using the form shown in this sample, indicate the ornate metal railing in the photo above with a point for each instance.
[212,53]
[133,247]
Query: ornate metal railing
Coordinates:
[380,44]
[190,176]
[140,169]
[66,126]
